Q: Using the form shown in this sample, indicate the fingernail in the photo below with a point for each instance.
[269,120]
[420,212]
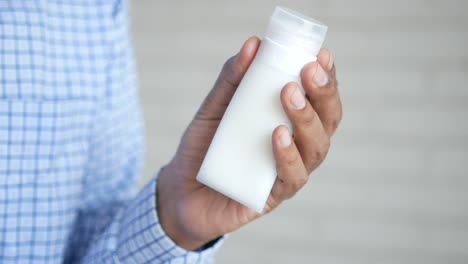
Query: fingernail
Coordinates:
[330,62]
[320,77]
[297,99]
[285,138]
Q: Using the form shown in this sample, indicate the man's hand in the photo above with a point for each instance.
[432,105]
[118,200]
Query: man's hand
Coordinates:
[191,213]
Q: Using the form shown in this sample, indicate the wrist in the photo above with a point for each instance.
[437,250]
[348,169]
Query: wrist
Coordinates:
[167,204]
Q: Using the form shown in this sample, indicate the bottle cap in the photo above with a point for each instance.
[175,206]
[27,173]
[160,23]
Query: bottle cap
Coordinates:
[295,30]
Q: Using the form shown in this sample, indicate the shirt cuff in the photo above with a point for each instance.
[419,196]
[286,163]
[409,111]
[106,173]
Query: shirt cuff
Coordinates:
[142,239]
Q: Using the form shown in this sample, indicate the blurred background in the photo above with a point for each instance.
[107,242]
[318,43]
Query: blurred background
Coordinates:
[394,186]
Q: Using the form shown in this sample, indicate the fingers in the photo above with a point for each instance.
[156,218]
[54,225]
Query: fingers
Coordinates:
[309,134]
[292,174]
[232,73]
[319,82]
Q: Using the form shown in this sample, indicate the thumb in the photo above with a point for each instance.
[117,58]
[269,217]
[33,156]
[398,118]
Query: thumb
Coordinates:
[233,71]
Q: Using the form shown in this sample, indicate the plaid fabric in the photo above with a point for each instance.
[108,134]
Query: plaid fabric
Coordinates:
[71,139]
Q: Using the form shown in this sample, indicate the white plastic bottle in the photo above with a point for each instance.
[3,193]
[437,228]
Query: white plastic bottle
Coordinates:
[240,162]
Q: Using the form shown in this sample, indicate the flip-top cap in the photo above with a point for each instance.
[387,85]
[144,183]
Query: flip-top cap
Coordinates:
[295,30]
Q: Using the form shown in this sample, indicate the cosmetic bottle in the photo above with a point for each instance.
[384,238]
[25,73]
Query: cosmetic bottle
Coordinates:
[240,162]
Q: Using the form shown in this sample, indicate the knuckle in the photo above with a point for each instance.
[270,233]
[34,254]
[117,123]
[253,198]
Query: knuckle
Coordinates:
[335,119]
[335,123]
[309,118]
[229,63]
[273,201]
[231,72]
[291,159]
[293,185]
[228,67]
[325,146]
[317,156]
[340,113]
[299,182]
[321,151]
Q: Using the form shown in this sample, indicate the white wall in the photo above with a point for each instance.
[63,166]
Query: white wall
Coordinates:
[394,188]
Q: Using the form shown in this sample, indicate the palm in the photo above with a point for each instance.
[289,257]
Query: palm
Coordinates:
[218,210]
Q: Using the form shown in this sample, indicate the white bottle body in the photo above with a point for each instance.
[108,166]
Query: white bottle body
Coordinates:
[240,162]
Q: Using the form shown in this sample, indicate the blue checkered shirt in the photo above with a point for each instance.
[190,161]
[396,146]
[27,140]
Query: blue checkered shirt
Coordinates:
[71,140]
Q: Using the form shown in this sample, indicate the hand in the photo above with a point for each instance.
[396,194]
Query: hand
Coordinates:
[191,213]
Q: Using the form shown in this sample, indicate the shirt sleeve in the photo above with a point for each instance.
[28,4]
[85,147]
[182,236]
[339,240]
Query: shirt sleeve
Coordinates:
[135,236]
[115,223]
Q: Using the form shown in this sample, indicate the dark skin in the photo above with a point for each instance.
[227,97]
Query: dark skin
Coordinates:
[193,214]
